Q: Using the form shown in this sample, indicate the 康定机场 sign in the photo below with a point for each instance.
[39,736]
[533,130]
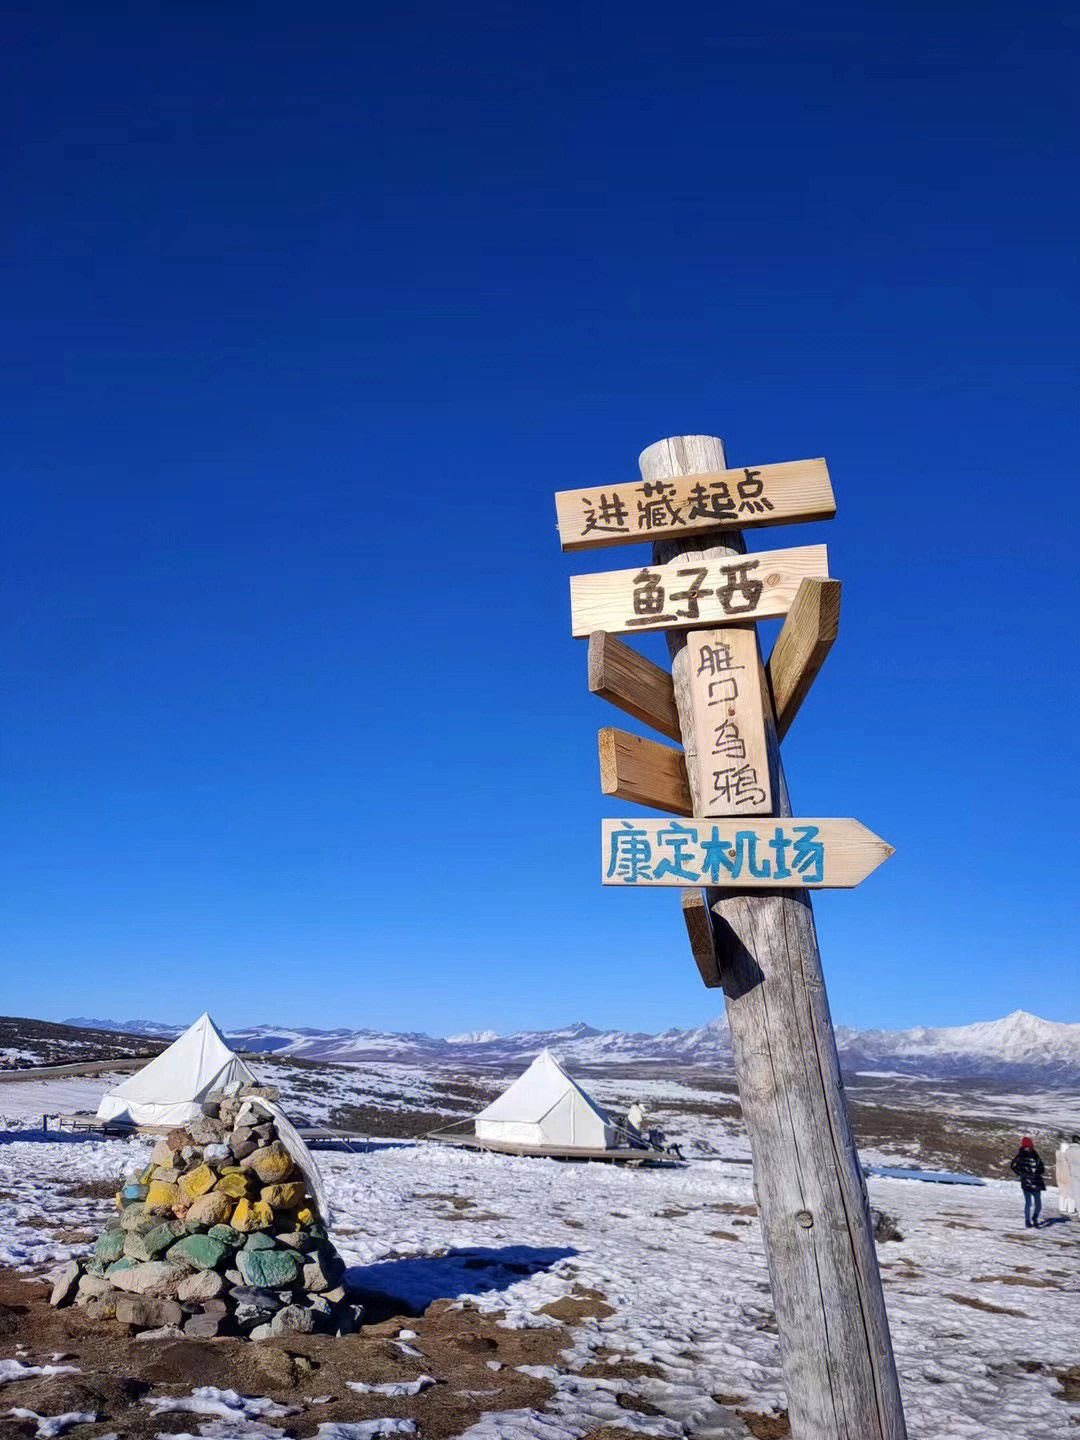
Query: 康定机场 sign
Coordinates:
[740,854]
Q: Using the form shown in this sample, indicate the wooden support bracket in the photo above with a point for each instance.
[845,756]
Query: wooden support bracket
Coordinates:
[805,639]
[644,771]
[619,674]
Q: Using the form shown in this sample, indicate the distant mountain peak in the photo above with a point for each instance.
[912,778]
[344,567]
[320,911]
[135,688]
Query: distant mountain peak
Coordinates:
[1016,1046]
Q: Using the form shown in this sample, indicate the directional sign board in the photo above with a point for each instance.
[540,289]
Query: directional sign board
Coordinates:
[717,592]
[691,504]
[778,854]
[732,762]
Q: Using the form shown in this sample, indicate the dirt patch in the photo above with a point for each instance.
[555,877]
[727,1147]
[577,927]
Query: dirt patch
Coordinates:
[581,1304]
[92,1190]
[765,1427]
[721,1235]
[620,1370]
[1031,1281]
[636,1403]
[728,1207]
[975,1304]
[1069,1380]
[119,1373]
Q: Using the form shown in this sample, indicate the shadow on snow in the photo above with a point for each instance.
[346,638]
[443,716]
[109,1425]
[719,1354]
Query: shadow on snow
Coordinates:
[410,1284]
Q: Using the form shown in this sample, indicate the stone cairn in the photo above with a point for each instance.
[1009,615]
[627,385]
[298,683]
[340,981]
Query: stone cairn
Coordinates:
[219,1235]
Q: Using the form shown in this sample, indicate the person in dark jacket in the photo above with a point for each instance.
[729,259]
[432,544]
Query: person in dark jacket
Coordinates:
[1027,1165]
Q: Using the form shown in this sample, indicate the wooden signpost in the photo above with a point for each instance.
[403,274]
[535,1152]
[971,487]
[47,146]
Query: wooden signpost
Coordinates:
[745,866]
[741,854]
[694,504]
[659,597]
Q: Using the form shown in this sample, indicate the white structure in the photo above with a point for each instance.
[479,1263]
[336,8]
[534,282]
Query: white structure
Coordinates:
[171,1089]
[1068,1178]
[546,1109]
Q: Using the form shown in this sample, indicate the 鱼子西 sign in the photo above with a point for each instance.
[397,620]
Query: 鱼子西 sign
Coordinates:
[758,586]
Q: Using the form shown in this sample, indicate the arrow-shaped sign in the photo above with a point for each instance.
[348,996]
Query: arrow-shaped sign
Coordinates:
[737,854]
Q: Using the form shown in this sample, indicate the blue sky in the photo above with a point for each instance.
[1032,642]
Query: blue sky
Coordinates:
[308,311]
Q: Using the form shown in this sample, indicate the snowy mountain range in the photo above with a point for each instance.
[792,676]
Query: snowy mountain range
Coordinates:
[1017,1048]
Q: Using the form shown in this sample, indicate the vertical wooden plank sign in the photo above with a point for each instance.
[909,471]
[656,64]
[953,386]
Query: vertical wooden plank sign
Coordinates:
[729,723]
[747,865]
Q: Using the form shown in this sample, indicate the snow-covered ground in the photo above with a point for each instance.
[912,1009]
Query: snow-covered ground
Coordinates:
[975,1300]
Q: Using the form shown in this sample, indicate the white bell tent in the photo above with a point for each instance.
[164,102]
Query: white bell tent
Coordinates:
[171,1089]
[545,1108]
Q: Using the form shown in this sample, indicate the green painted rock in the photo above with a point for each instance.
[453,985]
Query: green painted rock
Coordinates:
[125,1263]
[110,1246]
[135,1215]
[267,1269]
[259,1241]
[155,1242]
[226,1234]
[202,1251]
[130,1193]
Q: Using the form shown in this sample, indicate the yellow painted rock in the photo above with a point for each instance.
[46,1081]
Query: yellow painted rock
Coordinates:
[271,1164]
[234,1183]
[160,1195]
[251,1215]
[286,1196]
[197,1182]
[305,1216]
[214,1208]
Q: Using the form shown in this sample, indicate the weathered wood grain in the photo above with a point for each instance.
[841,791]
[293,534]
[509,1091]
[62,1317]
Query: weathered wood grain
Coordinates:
[725,682]
[699,931]
[805,639]
[644,771]
[834,1335]
[621,514]
[637,686]
[732,852]
[717,591]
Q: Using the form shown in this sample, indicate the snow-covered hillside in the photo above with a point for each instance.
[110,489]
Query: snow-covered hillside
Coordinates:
[1019,1047]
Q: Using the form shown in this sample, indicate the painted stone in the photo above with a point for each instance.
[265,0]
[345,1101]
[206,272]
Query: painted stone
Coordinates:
[272,1163]
[212,1208]
[234,1183]
[194,1183]
[155,1242]
[252,1215]
[110,1246]
[267,1269]
[259,1241]
[161,1195]
[226,1234]
[284,1196]
[198,1250]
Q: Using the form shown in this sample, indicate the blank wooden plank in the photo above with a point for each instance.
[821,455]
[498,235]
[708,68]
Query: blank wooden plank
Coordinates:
[805,639]
[738,854]
[644,771]
[619,674]
[731,758]
[660,509]
[759,586]
[699,928]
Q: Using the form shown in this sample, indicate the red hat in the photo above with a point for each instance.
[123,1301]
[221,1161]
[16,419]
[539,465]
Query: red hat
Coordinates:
[1027,1143]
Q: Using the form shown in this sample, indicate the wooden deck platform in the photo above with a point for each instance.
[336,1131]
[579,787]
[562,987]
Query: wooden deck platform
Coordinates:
[622,1155]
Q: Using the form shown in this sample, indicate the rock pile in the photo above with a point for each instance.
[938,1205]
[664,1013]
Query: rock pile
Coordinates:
[220,1234]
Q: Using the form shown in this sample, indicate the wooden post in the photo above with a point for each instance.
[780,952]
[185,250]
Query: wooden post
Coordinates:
[838,1363]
